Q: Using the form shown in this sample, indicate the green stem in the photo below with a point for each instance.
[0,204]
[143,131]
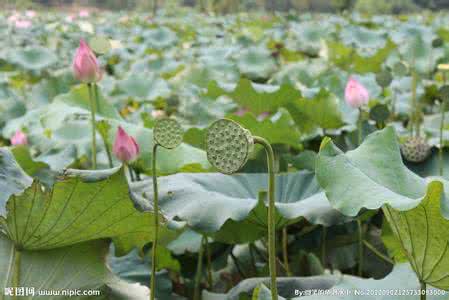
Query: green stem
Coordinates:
[131,174]
[16,274]
[90,87]
[285,251]
[377,252]
[359,127]
[199,271]
[414,109]
[209,262]
[253,258]
[323,246]
[440,150]
[360,232]
[423,290]
[156,224]
[271,215]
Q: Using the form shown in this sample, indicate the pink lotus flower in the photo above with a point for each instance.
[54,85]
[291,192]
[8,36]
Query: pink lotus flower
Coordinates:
[356,94]
[125,147]
[19,138]
[84,13]
[13,18]
[70,18]
[85,64]
[30,14]
[22,24]
[158,114]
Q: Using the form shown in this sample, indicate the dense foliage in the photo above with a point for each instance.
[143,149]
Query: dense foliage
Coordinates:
[348,207]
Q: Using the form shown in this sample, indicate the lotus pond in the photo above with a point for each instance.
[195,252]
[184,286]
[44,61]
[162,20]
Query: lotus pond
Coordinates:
[248,156]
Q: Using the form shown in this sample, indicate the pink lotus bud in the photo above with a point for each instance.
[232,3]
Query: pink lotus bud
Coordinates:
[84,13]
[13,18]
[85,64]
[125,147]
[356,94]
[19,138]
[30,14]
[70,18]
[22,24]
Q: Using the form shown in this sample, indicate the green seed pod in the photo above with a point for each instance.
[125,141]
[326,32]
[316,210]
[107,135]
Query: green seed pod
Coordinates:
[167,133]
[384,78]
[438,42]
[415,149]
[228,145]
[379,113]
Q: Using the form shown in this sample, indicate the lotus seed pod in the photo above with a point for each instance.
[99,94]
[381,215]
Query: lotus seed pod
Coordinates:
[384,78]
[228,145]
[167,133]
[401,69]
[415,149]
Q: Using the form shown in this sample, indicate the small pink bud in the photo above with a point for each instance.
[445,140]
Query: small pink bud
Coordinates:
[84,13]
[30,14]
[125,147]
[19,138]
[85,64]
[22,24]
[70,18]
[356,94]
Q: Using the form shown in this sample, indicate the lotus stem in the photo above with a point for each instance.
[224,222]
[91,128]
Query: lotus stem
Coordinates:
[414,109]
[440,150]
[423,290]
[359,128]
[285,251]
[93,109]
[209,262]
[156,225]
[323,246]
[377,252]
[360,241]
[16,274]
[199,271]
[271,215]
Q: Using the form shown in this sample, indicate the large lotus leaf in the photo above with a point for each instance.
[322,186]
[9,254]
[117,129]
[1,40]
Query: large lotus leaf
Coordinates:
[288,287]
[258,98]
[348,59]
[81,206]
[423,234]
[13,180]
[78,267]
[371,175]
[144,86]
[34,58]
[321,111]
[397,283]
[209,202]
[363,38]
[256,62]
[159,38]
[277,130]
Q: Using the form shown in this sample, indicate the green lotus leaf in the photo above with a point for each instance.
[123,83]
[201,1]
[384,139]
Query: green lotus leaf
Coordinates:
[160,37]
[423,234]
[371,176]
[14,179]
[219,204]
[256,62]
[144,87]
[320,111]
[34,58]
[81,206]
[77,267]
[344,57]
[276,130]
[258,98]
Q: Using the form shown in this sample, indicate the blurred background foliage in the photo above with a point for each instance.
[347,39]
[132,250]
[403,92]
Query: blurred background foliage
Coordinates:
[233,6]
